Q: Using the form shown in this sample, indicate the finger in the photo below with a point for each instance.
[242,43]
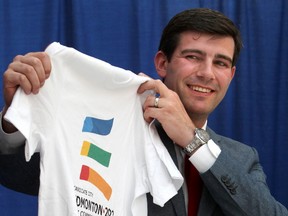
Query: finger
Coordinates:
[147,116]
[45,60]
[35,66]
[150,102]
[153,110]
[156,102]
[12,80]
[143,75]
[157,85]
[21,69]
[40,62]
[145,86]
[151,113]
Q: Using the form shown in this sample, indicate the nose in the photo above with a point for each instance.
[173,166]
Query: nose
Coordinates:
[206,70]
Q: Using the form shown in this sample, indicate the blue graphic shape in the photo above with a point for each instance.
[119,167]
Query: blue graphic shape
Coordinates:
[97,126]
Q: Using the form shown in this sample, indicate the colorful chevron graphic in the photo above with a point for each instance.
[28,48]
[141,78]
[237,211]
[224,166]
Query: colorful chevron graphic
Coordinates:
[90,175]
[103,128]
[96,153]
[97,126]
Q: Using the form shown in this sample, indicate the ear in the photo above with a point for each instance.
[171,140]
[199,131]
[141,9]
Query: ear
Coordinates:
[233,70]
[161,63]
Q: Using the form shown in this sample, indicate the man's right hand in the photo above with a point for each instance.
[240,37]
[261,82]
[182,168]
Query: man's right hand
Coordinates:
[28,72]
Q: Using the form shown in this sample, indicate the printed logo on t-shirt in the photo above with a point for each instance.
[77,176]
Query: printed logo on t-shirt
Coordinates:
[100,127]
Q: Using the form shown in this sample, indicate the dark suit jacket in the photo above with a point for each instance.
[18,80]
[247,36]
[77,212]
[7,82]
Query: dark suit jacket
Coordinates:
[235,184]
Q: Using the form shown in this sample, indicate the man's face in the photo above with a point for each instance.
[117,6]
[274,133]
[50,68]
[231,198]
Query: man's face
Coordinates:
[200,71]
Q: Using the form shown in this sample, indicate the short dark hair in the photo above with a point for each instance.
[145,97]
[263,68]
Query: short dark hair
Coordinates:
[200,20]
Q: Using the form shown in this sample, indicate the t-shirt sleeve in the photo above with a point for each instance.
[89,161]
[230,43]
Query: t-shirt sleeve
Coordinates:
[20,114]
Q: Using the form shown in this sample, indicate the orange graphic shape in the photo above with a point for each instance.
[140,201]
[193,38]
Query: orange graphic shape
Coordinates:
[90,175]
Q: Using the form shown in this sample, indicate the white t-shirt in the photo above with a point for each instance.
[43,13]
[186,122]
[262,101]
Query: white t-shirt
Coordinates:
[98,155]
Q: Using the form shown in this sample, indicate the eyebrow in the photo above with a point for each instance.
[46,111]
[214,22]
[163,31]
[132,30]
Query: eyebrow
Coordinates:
[221,56]
[224,57]
[192,51]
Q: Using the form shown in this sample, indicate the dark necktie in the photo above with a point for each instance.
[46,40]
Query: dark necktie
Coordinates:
[194,187]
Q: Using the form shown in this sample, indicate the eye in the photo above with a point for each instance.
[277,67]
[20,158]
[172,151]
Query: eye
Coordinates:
[192,57]
[222,63]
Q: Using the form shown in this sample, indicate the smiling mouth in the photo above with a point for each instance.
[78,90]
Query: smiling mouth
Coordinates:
[200,89]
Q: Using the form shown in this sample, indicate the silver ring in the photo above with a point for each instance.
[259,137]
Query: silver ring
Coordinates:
[156,102]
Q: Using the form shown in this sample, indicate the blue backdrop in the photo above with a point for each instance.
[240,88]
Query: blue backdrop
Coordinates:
[126,33]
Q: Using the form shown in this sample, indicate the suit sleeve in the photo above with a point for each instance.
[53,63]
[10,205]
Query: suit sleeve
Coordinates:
[19,175]
[237,182]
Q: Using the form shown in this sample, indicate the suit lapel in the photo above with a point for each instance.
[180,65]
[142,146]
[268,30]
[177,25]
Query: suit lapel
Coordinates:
[178,201]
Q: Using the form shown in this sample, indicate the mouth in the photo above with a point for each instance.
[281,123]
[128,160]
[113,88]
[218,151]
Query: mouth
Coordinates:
[200,89]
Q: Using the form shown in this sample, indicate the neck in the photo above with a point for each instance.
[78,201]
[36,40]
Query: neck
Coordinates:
[198,120]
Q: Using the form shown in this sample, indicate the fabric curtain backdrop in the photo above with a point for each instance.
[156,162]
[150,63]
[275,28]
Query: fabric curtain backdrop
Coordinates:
[126,33]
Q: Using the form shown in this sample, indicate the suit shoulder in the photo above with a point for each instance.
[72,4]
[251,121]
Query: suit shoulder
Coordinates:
[231,144]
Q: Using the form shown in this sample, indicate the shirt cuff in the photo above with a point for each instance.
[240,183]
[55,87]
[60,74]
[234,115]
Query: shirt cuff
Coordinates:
[10,142]
[204,158]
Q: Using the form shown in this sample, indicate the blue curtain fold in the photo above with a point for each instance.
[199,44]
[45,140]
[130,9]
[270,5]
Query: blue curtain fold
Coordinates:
[126,34]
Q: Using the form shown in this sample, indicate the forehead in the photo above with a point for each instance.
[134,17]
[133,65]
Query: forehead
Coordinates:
[210,44]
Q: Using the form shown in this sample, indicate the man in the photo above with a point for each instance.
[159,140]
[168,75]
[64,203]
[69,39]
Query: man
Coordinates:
[196,61]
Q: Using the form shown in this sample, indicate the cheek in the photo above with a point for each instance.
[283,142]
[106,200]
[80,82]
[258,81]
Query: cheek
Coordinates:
[224,85]
[224,79]
[171,79]
[171,83]
[223,82]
